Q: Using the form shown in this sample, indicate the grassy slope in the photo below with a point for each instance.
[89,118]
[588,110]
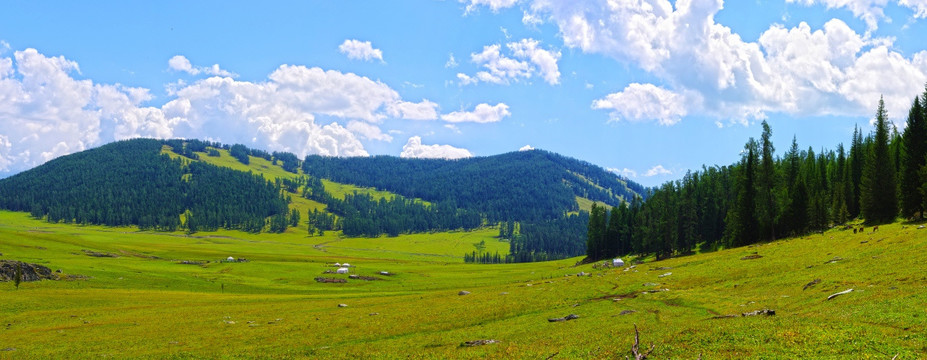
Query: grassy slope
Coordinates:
[133,306]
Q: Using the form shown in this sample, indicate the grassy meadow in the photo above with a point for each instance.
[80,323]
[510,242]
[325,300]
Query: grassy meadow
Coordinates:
[143,301]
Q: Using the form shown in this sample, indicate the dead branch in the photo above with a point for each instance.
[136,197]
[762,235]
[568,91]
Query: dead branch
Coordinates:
[839,293]
[635,349]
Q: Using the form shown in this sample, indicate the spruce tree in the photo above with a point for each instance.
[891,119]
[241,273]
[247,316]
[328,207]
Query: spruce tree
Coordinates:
[596,233]
[855,171]
[766,183]
[878,201]
[742,225]
[914,156]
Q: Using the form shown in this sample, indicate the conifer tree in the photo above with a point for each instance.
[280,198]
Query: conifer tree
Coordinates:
[914,157]
[766,181]
[877,200]
[596,233]
[742,224]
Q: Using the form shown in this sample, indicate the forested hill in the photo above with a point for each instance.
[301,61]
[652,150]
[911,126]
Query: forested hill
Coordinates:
[517,186]
[131,183]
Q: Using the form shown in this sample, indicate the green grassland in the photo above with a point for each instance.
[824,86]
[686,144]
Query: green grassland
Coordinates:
[144,304]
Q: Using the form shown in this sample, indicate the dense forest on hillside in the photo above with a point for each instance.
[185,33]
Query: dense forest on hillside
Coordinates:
[765,197]
[131,183]
[521,186]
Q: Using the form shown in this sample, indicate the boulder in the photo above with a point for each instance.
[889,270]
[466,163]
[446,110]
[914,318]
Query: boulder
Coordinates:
[31,272]
[342,305]
[463,292]
[479,342]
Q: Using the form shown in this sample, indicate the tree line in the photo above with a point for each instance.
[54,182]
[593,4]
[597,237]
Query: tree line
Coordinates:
[765,197]
[131,183]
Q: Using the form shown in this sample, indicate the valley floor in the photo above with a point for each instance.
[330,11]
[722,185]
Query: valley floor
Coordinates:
[144,303]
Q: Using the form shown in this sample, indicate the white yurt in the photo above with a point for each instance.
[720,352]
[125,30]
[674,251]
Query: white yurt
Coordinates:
[617,262]
[343,270]
[230,259]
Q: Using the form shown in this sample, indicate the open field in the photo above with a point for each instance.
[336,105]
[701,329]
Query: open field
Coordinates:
[144,304]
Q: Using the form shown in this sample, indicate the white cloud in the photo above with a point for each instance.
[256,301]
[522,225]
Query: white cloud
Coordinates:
[640,102]
[368,131]
[495,5]
[919,7]
[181,63]
[453,128]
[625,172]
[657,170]
[870,11]
[415,149]
[731,79]
[425,110]
[527,59]
[46,112]
[4,47]
[483,113]
[360,50]
[451,62]
[526,148]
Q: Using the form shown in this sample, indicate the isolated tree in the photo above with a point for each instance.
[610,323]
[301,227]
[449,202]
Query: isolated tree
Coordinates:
[914,157]
[878,201]
[18,275]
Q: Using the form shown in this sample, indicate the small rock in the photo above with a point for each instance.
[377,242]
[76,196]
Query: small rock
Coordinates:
[479,342]
[751,257]
[373,314]
[503,293]
[9,349]
[627,312]
[229,322]
[581,273]
[463,292]
[565,318]
[665,275]
[835,259]
[650,284]
[920,227]
[767,312]
[342,305]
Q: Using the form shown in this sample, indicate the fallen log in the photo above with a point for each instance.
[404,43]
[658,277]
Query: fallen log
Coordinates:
[839,293]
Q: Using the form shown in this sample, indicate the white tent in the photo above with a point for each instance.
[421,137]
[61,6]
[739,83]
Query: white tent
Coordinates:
[230,259]
[337,264]
[346,265]
[617,262]
[343,270]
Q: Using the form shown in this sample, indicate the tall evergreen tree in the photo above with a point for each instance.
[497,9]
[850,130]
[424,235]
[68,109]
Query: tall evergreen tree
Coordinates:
[855,172]
[595,236]
[742,225]
[914,158]
[878,201]
[766,183]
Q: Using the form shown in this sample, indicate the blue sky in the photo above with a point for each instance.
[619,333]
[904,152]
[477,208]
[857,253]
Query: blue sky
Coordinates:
[648,88]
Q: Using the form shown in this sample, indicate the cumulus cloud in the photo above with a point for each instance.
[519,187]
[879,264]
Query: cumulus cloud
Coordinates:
[368,131]
[870,11]
[47,113]
[526,59]
[483,113]
[657,170]
[526,148]
[415,149]
[641,102]
[494,5]
[728,78]
[360,50]
[425,110]
[181,63]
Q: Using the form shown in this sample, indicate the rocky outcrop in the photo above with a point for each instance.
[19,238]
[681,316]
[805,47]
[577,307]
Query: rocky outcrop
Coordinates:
[31,272]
